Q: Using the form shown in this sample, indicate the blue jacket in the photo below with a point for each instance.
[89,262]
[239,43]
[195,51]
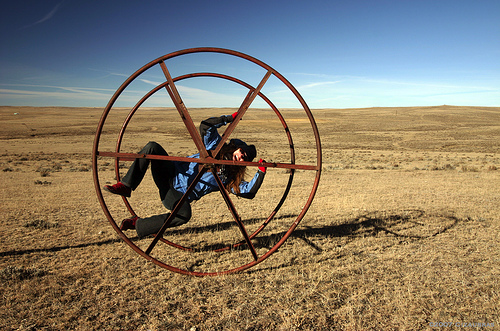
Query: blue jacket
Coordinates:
[186,172]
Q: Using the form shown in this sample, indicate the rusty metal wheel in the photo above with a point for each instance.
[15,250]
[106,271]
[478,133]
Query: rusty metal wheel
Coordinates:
[250,247]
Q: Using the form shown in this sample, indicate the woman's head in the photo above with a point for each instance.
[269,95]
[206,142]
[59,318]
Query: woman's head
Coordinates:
[248,151]
[239,155]
[236,150]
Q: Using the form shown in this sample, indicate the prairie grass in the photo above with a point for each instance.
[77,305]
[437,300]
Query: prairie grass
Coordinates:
[403,231]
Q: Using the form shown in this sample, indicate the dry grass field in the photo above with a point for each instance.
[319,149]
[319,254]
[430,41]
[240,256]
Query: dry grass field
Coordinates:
[403,233]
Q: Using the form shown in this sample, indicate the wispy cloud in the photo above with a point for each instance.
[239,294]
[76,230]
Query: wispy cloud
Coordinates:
[428,84]
[57,94]
[317,84]
[30,94]
[47,17]
[108,73]
[323,91]
[150,82]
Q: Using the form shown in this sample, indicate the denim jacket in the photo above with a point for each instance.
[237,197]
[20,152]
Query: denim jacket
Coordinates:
[186,172]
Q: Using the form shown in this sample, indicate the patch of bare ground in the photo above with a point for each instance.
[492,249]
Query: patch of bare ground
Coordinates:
[402,234]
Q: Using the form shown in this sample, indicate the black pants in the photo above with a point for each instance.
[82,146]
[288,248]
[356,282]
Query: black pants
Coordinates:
[163,173]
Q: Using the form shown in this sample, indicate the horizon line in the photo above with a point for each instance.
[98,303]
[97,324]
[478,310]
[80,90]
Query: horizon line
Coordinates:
[253,108]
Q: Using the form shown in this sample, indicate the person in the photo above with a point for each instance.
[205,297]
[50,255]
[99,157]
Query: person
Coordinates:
[173,177]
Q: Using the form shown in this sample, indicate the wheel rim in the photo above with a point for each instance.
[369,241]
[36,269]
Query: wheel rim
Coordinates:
[254,92]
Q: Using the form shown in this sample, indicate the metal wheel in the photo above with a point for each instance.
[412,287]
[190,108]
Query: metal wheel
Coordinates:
[248,243]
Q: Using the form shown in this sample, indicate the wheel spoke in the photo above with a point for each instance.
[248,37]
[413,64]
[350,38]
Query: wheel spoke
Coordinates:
[250,97]
[181,108]
[233,211]
[174,212]
[208,160]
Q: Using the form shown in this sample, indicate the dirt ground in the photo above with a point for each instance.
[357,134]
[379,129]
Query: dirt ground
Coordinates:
[403,233]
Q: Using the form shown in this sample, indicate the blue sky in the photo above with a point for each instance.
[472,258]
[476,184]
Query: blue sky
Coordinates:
[338,54]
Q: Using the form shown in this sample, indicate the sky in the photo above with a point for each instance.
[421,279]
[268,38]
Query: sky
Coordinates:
[337,54]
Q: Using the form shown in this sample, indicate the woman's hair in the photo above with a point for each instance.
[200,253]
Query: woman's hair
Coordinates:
[234,175]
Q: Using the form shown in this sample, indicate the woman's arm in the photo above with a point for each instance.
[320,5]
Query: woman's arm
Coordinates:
[215,123]
[248,190]
[208,129]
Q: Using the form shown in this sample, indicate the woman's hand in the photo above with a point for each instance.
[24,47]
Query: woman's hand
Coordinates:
[263,169]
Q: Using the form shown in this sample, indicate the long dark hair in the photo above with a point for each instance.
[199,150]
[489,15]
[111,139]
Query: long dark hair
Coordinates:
[233,175]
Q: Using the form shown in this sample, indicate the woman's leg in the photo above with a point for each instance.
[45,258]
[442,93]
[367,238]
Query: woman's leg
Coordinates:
[161,170]
[170,201]
[151,225]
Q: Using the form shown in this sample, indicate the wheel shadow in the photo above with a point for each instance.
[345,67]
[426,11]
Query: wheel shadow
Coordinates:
[408,224]
[221,226]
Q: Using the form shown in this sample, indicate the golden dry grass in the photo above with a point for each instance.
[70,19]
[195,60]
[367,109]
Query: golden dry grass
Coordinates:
[403,231]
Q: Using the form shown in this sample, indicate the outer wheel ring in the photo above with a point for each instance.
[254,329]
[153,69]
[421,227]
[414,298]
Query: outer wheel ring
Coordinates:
[170,85]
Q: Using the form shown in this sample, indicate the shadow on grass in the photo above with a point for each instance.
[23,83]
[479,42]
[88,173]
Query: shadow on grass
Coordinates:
[407,224]
[177,231]
[404,224]
[59,248]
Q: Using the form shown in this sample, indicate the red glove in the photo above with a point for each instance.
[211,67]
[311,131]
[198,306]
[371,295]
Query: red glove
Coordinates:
[234,115]
[263,169]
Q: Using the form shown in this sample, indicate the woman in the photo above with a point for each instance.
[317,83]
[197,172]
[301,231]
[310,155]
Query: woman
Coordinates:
[173,177]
